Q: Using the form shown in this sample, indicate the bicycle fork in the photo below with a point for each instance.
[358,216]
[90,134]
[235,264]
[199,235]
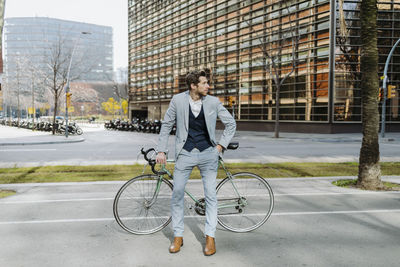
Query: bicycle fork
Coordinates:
[149,203]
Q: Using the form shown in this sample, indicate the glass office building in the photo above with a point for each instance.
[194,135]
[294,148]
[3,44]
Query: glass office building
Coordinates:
[36,46]
[311,49]
[33,39]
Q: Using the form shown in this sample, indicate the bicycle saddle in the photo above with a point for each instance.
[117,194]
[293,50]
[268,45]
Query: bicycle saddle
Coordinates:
[233,145]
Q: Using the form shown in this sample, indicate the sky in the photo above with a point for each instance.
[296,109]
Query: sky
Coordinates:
[112,13]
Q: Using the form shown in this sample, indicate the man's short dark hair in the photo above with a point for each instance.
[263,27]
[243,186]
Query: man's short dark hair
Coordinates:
[194,77]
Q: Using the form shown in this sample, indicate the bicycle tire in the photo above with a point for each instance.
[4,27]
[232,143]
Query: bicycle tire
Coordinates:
[257,194]
[130,209]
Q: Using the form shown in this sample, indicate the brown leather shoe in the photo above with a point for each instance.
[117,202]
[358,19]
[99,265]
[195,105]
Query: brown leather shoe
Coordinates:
[176,245]
[209,249]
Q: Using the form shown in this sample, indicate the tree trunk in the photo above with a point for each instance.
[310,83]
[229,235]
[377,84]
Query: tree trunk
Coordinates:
[369,169]
[55,111]
[2,5]
[277,99]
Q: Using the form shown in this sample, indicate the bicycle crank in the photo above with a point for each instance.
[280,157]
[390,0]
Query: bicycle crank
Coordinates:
[200,207]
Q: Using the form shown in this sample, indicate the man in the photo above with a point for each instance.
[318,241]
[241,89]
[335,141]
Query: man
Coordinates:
[195,114]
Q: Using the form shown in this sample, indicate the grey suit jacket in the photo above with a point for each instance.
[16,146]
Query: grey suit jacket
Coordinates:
[178,112]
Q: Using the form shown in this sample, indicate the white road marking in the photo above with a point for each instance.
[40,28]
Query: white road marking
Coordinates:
[319,194]
[196,216]
[199,196]
[58,221]
[334,212]
[55,200]
[28,150]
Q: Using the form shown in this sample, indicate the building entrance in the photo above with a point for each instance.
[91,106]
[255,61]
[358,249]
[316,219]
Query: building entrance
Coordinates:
[141,114]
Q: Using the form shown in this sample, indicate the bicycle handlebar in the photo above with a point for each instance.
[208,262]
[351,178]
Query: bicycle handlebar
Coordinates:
[151,162]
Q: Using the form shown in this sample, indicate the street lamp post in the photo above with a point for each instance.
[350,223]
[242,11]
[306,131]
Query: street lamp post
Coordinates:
[385,79]
[67,94]
[82,109]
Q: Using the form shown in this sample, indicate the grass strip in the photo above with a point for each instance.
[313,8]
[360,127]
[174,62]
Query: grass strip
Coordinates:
[6,193]
[347,183]
[124,172]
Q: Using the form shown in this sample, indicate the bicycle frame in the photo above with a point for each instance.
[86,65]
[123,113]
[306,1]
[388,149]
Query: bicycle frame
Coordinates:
[238,195]
[197,201]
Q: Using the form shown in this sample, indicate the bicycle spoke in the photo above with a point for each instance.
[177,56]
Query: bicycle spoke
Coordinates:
[137,210]
[258,198]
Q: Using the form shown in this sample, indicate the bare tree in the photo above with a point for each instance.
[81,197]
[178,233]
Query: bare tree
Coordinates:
[33,84]
[349,59]
[16,83]
[57,59]
[56,77]
[84,93]
[121,88]
[369,171]
[273,52]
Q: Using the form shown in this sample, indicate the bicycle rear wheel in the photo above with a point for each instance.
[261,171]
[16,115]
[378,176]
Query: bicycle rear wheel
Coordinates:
[245,202]
[138,208]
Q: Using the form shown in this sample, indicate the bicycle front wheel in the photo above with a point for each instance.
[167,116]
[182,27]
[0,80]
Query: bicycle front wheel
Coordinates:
[140,208]
[245,202]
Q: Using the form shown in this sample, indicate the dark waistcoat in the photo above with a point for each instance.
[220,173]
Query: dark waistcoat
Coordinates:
[198,135]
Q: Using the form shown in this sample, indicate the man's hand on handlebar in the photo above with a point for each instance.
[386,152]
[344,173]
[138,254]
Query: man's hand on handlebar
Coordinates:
[161,158]
[220,148]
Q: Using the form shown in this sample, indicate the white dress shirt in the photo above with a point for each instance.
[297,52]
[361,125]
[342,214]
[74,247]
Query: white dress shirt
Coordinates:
[195,106]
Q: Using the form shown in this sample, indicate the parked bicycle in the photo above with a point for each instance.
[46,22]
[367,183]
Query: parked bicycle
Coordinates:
[136,125]
[142,204]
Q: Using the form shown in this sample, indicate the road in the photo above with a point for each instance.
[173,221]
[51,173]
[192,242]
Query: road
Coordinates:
[313,224]
[114,147]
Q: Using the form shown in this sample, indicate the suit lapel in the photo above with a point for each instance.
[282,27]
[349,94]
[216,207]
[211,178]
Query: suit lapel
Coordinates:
[206,110]
[186,111]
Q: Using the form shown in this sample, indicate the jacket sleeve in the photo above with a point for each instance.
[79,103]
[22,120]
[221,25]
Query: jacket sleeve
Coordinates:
[230,125]
[166,127]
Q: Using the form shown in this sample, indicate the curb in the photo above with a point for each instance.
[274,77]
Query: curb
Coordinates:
[42,143]
[395,178]
[142,161]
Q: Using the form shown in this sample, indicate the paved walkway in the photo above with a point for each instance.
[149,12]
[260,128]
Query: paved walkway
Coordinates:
[20,136]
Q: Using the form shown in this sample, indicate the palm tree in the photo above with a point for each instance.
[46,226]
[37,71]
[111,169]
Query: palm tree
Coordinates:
[2,5]
[369,171]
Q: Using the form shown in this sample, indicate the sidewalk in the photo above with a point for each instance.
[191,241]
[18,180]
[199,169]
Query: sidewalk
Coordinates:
[19,136]
[313,137]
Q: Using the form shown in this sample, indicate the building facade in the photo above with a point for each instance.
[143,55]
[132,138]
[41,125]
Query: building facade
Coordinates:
[33,38]
[308,50]
[33,46]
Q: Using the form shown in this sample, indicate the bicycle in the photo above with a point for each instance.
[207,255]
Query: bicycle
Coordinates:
[142,204]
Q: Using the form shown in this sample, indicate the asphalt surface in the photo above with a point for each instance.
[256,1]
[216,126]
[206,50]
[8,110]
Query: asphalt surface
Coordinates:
[101,147]
[313,224]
